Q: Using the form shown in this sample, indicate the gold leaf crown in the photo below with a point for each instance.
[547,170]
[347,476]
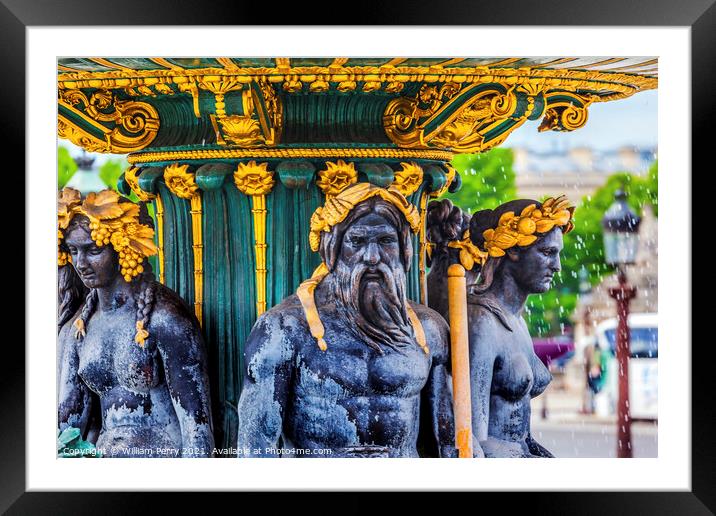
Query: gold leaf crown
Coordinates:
[512,230]
[337,208]
[111,222]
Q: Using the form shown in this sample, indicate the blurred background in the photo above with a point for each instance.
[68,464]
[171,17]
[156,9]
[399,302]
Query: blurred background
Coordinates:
[573,325]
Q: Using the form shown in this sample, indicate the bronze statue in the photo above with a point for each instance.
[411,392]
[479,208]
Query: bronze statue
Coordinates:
[131,353]
[344,367]
[516,249]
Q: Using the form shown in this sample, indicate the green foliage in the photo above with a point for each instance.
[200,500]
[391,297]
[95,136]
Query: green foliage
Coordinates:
[488,180]
[110,171]
[549,313]
[66,167]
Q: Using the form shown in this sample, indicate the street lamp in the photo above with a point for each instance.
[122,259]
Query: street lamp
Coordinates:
[621,242]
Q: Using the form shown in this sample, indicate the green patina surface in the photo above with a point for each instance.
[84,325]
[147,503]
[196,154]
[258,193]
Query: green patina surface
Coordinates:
[229,263]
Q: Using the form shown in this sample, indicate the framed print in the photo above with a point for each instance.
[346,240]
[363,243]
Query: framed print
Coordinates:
[243,170]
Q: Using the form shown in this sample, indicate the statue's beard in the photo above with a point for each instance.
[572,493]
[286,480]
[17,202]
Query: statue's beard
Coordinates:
[374,308]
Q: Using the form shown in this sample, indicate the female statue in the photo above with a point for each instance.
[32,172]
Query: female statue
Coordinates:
[516,248]
[131,353]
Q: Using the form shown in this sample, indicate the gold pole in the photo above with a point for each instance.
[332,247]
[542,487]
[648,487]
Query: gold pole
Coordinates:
[160,236]
[423,245]
[259,211]
[256,181]
[457,305]
[182,183]
[197,246]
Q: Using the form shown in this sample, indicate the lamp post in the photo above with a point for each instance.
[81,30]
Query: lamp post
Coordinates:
[621,241]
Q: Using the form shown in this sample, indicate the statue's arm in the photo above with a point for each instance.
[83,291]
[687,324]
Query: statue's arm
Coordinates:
[183,355]
[536,448]
[74,397]
[482,361]
[438,393]
[268,354]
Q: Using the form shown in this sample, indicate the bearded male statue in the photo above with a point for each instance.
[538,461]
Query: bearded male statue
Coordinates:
[348,367]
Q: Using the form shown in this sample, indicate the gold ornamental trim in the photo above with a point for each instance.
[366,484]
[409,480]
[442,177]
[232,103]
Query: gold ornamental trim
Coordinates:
[619,84]
[257,181]
[182,183]
[153,157]
[423,248]
[198,247]
[160,235]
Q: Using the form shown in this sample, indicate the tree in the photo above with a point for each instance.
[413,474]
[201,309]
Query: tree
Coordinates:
[488,180]
[66,167]
[110,171]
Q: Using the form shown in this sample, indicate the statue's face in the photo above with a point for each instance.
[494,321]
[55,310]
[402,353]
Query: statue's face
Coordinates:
[97,267]
[371,242]
[538,263]
[369,283]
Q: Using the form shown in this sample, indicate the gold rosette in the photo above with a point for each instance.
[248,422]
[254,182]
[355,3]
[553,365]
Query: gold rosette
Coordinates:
[408,179]
[180,181]
[337,177]
[253,179]
[132,179]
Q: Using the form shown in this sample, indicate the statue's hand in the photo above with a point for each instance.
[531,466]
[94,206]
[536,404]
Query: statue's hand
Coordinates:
[477,451]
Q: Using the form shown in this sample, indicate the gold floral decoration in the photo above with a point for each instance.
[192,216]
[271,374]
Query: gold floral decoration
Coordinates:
[253,179]
[520,230]
[337,177]
[68,199]
[180,181]
[470,254]
[346,86]
[409,178]
[111,222]
[241,130]
[141,334]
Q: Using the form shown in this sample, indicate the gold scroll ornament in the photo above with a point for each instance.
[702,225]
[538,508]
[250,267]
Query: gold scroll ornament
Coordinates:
[256,181]
[126,125]
[409,121]
[131,176]
[182,184]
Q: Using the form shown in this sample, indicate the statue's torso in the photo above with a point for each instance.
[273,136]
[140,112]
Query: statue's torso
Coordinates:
[138,416]
[351,396]
[518,375]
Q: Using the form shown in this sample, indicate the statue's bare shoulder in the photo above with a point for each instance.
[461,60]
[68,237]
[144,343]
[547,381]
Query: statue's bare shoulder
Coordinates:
[435,328]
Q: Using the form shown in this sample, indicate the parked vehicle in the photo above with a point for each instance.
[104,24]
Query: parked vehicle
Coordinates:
[643,367]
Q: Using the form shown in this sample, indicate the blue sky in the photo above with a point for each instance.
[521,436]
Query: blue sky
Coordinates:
[631,121]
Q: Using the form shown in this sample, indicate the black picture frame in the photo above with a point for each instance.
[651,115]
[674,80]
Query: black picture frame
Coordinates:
[699,15]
